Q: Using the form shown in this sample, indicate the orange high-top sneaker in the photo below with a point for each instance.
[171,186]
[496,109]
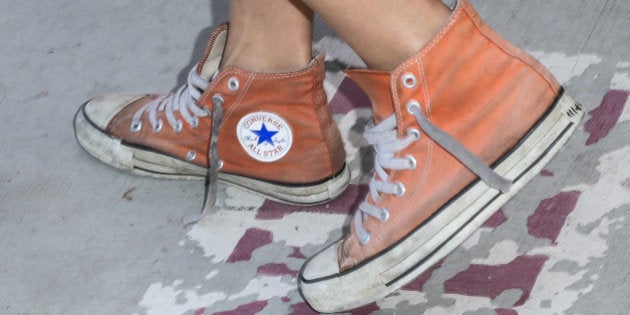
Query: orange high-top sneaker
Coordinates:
[277,137]
[460,127]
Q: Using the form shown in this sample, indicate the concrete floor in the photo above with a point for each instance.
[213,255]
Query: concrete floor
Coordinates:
[78,237]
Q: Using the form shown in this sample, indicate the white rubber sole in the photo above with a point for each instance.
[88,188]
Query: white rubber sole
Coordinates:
[447,228]
[144,162]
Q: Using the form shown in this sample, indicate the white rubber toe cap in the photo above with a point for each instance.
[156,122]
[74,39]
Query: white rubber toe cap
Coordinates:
[101,110]
[324,264]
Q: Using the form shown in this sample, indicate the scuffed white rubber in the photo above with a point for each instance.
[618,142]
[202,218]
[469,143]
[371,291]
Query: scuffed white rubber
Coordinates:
[139,161]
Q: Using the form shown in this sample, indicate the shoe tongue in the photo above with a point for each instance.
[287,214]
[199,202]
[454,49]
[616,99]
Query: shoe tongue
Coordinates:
[212,58]
[376,84]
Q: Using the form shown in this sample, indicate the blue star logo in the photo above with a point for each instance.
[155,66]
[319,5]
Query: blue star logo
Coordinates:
[265,135]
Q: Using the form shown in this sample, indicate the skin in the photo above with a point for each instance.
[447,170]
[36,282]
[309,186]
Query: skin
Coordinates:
[403,27]
[269,35]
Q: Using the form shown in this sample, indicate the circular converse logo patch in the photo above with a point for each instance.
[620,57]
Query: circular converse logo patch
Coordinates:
[265,136]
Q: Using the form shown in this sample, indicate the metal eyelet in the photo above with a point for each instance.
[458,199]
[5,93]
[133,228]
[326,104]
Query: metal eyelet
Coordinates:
[195,122]
[233,84]
[220,164]
[409,80]
[415,133]
[384,215]
[412,162]
[217,99]
[366,238]
[411,104]
[179,127]
[400,189]
[191,155]
[136,126]
[158,126]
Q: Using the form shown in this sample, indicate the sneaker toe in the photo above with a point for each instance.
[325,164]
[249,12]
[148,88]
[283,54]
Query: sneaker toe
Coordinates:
[100,111]
[322,265]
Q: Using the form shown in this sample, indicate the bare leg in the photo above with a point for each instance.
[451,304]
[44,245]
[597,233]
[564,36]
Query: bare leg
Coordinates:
[269,35]
[383,33]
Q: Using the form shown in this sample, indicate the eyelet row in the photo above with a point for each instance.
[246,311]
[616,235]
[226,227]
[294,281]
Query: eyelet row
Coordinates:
[233,85]
[409,81]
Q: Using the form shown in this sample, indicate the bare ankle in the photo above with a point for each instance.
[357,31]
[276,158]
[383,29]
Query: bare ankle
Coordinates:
[268,35]
[383,33]
[409,38]
[264,58]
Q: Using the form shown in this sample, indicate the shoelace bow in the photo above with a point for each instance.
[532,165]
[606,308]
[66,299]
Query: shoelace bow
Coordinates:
[384,138]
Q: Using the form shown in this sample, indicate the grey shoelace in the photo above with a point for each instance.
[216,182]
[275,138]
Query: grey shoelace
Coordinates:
[185,100]
[214,163]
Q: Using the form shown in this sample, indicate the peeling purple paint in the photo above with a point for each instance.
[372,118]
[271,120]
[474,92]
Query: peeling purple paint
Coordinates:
[504,311]
[302,309]
[251,240]
[246,309]
[276,270]
[551,214]
[297,253]
[344,204]
[417,284]
[604,117]
[348,97]
[546,173]
[490,281]
[495,220]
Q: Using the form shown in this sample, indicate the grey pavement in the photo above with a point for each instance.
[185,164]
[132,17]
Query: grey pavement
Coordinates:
[78,237]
